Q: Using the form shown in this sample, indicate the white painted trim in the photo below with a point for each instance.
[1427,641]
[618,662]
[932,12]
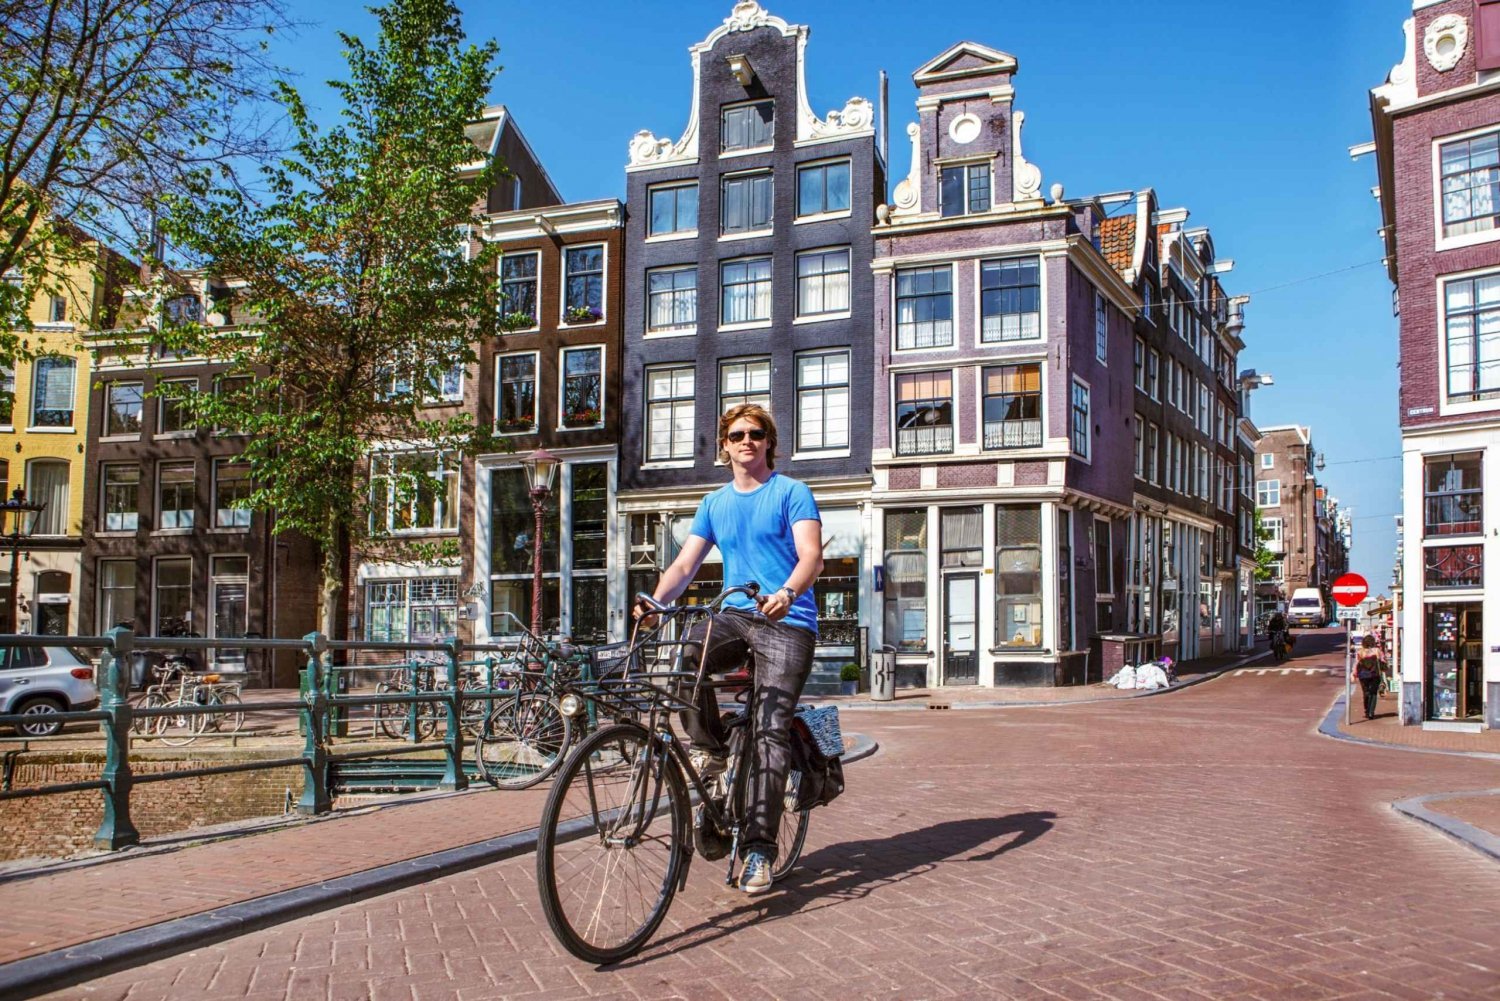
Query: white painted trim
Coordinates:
[1445,407]
[562,379]
[1088,458]
[1441,242]
[977,313]
[536,398]
[562,286]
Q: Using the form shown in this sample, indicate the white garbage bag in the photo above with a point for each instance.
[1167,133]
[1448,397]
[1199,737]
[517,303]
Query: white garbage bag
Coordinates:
[1123,678]
[1150,677]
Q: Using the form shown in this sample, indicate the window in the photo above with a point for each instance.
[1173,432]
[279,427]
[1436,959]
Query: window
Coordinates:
[1104,574]
[590,499]
[1453,566]
[52,392]
[47,482]
[232,489]
[674,209]
[420,610]
[924,413]
[515,393]
[582,399]
[823,282]
[1470,170]
[227,387]
[1140,447]
[7,395]
[1271,530]
[671,299]
[515,193]
[1010,300]
[176,494]
[518,281]
[1454,504]
[961,535]
[116,593]
[173,607]
[1473,336]
[1153,436]
[1013,406]
[120,505]
[409,492]
[906,579]
[924,308]
[747,126]
[1079,424]
[1267,461]
[745,287]
[1153,374]
[1101,329]
[123,403]
[822,400]
[746,203]
[744,380]
[964,189]
[822,188]
[669,413]
[57,311]
[513,524]
[1018,576]
[1268,493]
[174,413]
[583,284]
[184,309]
[1139,359]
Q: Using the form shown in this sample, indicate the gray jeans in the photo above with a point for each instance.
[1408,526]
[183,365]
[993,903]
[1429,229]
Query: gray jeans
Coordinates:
[783,660]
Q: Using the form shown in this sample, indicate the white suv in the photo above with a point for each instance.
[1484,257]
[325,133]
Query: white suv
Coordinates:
[40,682]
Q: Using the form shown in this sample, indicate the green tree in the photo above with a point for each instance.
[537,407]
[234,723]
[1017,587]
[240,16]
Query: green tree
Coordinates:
[1263,554]
[106,105]
[362,294]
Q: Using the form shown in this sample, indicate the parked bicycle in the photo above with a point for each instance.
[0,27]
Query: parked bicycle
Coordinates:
[176,687]
[619,828]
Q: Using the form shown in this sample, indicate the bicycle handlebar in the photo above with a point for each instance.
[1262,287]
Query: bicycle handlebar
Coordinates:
[653,607]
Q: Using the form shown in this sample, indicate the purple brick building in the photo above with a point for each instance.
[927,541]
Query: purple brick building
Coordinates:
[1436,124]
[1059,456]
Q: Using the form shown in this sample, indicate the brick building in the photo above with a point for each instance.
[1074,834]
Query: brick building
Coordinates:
[747,279]
[1436,123]
[1058,456]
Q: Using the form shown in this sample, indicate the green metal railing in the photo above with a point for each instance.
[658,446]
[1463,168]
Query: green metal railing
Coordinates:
[322,707]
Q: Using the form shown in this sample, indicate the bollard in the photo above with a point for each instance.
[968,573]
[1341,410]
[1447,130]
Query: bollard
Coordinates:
[315,797]
[414,685]
[116,829]
[454,778]
[883,675]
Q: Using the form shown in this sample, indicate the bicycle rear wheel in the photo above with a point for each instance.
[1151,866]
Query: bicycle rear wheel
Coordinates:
[791,835]
[612,843]
[232,720]
[181,729]
[523,743]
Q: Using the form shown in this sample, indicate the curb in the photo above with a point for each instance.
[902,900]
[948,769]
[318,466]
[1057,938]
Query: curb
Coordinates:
[1415,807]
[61,968]
[870,705]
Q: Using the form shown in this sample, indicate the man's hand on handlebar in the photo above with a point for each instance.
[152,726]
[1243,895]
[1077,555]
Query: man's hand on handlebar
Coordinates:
[774,606]
[644,610]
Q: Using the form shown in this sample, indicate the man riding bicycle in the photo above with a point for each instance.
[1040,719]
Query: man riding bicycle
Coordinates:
[767,528]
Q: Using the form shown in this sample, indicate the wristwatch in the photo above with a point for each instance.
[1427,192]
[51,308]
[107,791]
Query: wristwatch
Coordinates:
[791,592]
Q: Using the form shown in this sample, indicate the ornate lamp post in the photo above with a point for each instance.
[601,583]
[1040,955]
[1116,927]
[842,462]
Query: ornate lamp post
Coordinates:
[541,468]
[22,514]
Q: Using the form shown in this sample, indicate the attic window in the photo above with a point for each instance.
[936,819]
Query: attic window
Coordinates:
[747,126]
[964,189]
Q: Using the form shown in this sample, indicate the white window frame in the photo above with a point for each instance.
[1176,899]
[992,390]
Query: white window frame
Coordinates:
[535,281]
[823,280]
[131,520]
[952,343]
[156,589]
[562,385]
[109,408]
[674,328]
[748,364]
[770,293]
[1267,460]
[987,165]
[163,401]
[239,517]
[72,397]
[822,391]
[1442,242]
[823,165]
[1270,496]
[895,402]
[980,339]
[1445,405]
[678,451]
[674,234]
[444,521]
[536,395]
[192,510]
[562,286]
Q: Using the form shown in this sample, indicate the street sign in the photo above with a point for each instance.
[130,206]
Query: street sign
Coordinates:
[1350,589]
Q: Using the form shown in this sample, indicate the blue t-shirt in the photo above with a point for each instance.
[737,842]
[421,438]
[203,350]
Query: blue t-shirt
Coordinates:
[754,534]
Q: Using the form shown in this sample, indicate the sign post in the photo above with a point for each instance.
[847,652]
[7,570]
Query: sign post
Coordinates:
[1348,591]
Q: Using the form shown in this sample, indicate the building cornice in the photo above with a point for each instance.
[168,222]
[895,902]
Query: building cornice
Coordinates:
[578,217]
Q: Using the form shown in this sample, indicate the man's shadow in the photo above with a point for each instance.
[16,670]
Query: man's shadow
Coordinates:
[854,869]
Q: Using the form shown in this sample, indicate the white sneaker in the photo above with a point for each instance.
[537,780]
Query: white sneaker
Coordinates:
[755,877]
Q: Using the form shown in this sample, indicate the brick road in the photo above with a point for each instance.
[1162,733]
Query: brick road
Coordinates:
[1206,844]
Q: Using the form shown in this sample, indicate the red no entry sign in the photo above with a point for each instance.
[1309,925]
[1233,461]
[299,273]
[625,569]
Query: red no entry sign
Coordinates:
[1350,589]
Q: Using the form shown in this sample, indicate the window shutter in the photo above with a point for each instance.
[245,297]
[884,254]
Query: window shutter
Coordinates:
[1487,34]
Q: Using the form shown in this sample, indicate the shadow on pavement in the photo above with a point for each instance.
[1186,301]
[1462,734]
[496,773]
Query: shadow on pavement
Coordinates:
[855,869]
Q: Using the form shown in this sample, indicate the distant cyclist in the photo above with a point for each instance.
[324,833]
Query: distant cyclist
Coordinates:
[767,528]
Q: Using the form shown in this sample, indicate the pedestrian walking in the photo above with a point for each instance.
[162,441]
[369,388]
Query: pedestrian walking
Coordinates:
[1368,668]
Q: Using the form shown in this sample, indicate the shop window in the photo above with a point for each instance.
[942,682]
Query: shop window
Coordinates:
[905,561]
[512,524]
[837,592]
[961,534]
[1018,576]
[1454,504]
[1447,567]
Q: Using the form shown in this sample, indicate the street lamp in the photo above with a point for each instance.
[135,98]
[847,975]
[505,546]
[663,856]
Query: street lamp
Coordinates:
[23,515]
[541,468]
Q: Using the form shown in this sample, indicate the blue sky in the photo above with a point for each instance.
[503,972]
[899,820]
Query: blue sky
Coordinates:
[1242,113]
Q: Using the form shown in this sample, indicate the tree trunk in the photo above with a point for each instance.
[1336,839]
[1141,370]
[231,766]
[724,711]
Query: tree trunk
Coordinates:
[333,575]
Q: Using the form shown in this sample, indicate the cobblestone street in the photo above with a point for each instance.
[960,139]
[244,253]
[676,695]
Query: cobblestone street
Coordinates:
[1205,844]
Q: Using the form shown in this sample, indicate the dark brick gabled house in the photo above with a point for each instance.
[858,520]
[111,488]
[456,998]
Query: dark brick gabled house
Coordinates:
[1436,130]
[747,278]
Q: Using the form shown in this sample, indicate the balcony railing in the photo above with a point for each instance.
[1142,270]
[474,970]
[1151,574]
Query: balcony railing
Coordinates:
[934,440]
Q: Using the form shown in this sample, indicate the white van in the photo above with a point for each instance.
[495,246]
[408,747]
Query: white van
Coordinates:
[1307,609]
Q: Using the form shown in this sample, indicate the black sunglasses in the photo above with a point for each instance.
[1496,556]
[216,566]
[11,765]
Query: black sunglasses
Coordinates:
[756,434]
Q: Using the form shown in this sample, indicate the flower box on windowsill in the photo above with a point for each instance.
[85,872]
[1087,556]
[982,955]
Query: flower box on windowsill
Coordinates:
[516,321]
[582,314]
[518,426]
[581,419]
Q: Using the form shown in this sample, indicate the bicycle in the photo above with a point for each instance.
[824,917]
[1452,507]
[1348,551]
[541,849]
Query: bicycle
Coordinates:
[618,830]
[394,720]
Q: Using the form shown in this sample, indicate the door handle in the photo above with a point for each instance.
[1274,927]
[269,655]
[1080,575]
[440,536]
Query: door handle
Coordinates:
[23,681]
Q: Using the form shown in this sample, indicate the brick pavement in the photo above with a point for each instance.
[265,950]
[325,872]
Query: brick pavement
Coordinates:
[1206,845]
[1481,811]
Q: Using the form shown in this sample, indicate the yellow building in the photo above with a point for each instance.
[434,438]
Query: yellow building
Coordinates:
[43,434]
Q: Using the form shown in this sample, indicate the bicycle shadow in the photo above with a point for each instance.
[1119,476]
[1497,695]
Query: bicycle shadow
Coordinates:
[854,869]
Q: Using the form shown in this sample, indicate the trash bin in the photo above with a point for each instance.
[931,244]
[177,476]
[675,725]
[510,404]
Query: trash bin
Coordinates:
[338,716]
[883,675]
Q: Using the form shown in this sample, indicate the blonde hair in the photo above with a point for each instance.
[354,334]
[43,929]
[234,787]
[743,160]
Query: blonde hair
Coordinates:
[750,412]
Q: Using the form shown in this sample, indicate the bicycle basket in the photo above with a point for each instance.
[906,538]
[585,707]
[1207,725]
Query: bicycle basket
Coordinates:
[823,721]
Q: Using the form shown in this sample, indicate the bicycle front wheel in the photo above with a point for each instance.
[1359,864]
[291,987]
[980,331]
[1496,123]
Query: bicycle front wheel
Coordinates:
[181,729]
[234,718]
[612,843]
[523,743]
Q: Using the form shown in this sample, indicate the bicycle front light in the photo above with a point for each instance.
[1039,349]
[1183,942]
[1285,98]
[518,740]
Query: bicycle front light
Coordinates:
[570,704]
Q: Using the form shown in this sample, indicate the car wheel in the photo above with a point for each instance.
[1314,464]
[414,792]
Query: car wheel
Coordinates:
[42,711]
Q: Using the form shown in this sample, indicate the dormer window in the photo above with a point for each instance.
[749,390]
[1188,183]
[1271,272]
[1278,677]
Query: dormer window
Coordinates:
[964,189]
[747,126]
